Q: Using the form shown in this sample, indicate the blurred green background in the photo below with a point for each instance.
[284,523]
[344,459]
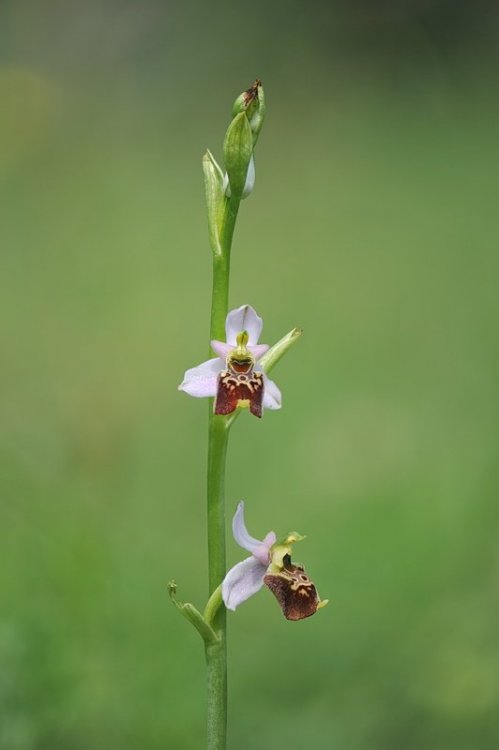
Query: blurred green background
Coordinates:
[373,225]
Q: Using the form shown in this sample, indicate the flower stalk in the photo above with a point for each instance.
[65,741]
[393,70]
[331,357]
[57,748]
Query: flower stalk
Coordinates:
[218,439]
[233,380]
[216,652]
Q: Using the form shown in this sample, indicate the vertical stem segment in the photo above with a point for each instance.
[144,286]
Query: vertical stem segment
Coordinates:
[217,452]
[218,437]
[216,672]
[221,268]
[216,654]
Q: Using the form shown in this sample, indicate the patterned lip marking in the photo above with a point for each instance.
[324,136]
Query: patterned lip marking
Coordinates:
[239,390]
[239,386]
[293,589]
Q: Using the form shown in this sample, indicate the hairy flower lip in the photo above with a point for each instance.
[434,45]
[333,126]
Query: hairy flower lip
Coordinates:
[202,381]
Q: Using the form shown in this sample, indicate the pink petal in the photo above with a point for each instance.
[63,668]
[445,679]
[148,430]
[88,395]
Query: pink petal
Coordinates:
[271,395]
[258,549]
[270,539]
[243,319]
[242,581]
[258,350]
[221,349]
[201,381]
[200,387]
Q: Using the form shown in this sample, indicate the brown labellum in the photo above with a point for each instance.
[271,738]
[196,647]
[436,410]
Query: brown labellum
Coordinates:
[294,591]
[239,389]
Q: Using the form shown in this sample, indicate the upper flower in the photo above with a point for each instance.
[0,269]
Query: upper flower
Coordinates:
[231,376]
[270,564]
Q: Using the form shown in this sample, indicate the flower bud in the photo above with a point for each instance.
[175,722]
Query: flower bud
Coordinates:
[238,150]
[252,102]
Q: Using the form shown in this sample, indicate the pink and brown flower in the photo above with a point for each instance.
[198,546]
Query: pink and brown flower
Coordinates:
[270,564]
[232,377]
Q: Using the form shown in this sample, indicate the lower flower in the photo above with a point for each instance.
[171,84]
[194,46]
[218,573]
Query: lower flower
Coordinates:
[270,564]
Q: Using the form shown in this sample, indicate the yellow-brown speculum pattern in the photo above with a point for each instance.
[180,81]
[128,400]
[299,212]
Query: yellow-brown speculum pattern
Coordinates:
[239,386]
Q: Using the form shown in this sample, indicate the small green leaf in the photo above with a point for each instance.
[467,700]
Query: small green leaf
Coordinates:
[195,617]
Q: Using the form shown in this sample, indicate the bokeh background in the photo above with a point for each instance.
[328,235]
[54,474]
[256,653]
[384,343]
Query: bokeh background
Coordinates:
[373,225]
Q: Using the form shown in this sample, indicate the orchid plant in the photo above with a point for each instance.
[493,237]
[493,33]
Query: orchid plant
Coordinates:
[234,380]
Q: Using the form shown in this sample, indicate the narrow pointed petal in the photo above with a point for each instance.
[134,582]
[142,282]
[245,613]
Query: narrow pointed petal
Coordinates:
[269,539]
[243,319]
[259,549]
[240,532]
[201,381]
[222,349]
[258,350]
[242,581]
[272,398]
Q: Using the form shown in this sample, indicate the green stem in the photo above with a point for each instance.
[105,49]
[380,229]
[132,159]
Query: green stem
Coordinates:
[217,453]
[216,654]
[216,672]
[227,225]
[221,268]
[218,438]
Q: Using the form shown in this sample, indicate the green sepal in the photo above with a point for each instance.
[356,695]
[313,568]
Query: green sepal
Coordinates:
[213,179]
[195,617]
[238,147]
[276,352]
